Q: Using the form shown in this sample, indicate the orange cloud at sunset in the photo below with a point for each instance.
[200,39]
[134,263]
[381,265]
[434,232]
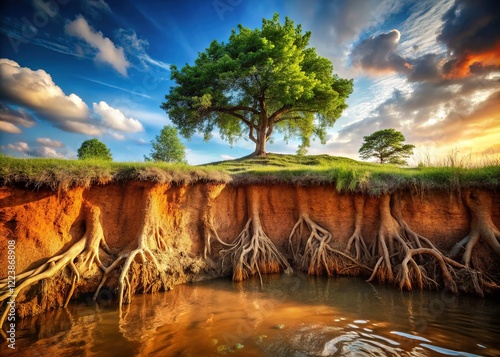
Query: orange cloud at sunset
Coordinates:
[462,66]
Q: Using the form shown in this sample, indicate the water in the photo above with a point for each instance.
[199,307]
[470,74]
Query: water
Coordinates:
[288,316]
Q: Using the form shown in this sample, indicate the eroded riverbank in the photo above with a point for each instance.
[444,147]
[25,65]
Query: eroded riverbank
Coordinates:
[143,237]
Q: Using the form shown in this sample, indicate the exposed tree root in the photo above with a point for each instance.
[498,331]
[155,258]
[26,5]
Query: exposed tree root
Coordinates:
[79,258]
[209,232]
[318,256]
[398,255]
[481,227]
[356,244]
[403,256]
[252,252]
[150,275]
[150,252]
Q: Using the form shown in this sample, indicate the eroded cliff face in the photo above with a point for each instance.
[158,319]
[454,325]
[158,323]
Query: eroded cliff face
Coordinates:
[143,237]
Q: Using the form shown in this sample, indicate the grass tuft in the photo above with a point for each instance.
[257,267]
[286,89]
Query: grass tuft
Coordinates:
[59,174]
[346,175]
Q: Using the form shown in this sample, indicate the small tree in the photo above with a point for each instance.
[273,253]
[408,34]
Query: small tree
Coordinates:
[387,146]
[167,147]
[259,82]
[94,149]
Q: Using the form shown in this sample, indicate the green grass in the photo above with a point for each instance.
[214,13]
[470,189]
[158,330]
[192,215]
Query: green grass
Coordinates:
[58,174]
[345,174]
[355,176]
[270,161]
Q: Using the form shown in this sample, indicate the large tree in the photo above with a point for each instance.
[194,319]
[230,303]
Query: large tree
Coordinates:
[167,147]
[260,81]
[387,146]
[94,149]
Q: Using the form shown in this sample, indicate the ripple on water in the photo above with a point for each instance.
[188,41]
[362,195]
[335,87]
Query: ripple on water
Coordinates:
[320,340]
[448,352]
[410,336]
[360,322]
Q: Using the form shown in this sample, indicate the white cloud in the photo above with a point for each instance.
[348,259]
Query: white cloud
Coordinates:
[14,118]
[47,149]
[44,151]
[141,142]
[107,52]
[116,87]
[336,24]
[20,146]
[227,157]
[136,46]
[9,128]
[11,119]
[114,119]
[146,58]
[199,157]
[96,7]
[422,27]
[50,142]
[82,128]
[36,91]
[117,136]
[156,119]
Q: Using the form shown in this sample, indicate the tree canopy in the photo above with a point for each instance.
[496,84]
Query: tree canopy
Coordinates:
[387,146]
[94,149]
[260,81]
[167,147]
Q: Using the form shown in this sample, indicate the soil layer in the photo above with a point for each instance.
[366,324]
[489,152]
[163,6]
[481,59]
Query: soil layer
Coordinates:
[134,237]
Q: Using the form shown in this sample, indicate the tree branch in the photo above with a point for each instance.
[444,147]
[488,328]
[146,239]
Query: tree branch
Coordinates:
[236,108]
[294,110]
[277,114]
[287,118]
[252,136]
[236,115]
[270,130]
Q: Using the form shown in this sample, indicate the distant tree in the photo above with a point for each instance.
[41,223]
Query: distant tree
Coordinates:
[387,146]
[260,81]
[94,149]
[167,147]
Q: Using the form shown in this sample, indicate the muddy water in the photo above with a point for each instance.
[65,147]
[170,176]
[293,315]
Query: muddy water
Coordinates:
[287,316]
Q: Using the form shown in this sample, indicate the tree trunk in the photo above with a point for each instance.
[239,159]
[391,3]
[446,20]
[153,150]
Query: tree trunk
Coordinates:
[260,147]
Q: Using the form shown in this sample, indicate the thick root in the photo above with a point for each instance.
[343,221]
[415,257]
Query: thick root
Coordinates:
[384,246]
[407,259]
[252,252]
[318,256]
[356,244]
[315,258]
[209,232]
[149,275]
[481,227]
[79,258]
[315,243]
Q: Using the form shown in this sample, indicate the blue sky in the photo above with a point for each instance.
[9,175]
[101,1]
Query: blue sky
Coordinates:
[71,70]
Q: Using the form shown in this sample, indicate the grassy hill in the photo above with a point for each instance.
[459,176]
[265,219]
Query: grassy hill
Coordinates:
[280,161]
[351,175]
[345,174]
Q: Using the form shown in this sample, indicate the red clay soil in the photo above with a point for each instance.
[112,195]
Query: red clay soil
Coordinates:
[169,230]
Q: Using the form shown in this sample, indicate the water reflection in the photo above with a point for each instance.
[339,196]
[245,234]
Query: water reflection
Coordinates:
[288,316]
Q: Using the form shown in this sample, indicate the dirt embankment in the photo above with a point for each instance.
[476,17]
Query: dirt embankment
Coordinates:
[144,237]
